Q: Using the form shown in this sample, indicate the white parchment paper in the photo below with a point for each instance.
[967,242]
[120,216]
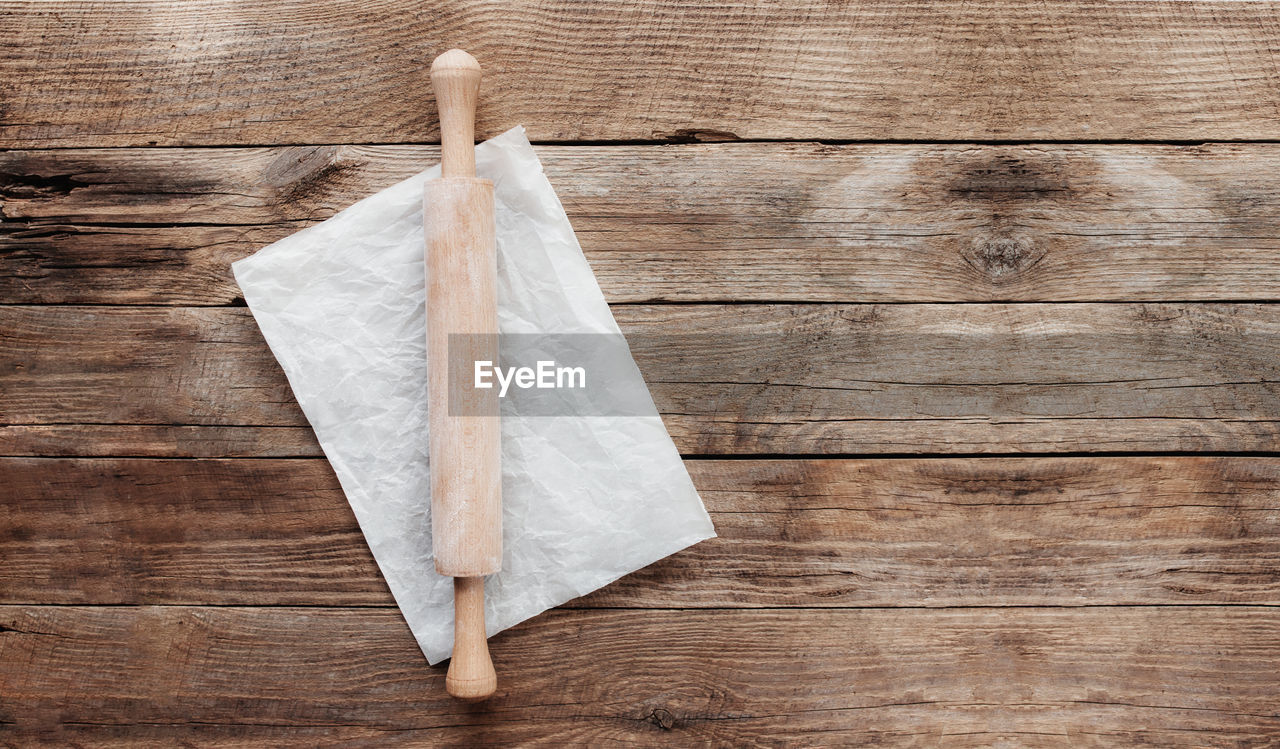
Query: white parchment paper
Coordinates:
[586,500]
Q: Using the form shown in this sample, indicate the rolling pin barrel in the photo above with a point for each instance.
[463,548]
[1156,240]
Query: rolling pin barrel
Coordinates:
[461,270]
[462,327]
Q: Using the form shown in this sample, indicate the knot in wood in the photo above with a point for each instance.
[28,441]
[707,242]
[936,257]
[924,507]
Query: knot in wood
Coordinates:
[662,719]
[997,257]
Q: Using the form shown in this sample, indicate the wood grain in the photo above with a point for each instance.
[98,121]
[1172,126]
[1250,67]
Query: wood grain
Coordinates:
[1201,676]
[737,379]
[975,378]
[158,441]
[692,223]
[812,533]
[1041,601]
[224,73]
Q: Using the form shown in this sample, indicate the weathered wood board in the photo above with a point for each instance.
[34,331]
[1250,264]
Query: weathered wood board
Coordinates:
[692,223]
[811,533]
[728,379]
[1105,676]
[276,72]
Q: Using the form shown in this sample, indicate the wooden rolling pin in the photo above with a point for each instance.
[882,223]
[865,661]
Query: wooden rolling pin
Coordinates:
[466,477]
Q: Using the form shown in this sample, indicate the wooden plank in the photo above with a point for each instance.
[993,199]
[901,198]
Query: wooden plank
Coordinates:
[182,531]
[975,532]
[218,72]
[692,223]
[812,533]
[740,379]
[954,379]
[1199,676]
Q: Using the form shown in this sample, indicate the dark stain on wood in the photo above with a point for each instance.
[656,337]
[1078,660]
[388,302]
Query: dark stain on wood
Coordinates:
[999,191]
[697,135]
[29,186]
[1004,177]
[303,176]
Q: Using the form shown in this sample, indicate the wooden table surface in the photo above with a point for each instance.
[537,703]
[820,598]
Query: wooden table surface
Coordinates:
[1013,479]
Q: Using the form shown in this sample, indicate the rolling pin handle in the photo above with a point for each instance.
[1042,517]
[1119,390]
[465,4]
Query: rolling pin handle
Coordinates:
[471,675]
[455,76]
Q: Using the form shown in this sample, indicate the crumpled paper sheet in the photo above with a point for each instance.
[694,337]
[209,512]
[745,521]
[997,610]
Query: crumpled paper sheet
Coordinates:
[586,499]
